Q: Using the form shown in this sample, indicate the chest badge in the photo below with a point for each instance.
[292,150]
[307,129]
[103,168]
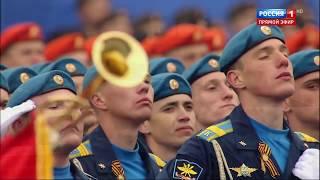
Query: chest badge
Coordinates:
[102,166]
[244,170]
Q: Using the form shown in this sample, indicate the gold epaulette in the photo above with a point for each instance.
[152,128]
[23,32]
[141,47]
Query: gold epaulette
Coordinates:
[306,138]
[215,131]
[84,149]
[157,160]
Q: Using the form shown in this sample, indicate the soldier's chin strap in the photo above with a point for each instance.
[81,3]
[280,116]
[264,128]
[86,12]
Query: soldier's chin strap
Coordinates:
[222,163]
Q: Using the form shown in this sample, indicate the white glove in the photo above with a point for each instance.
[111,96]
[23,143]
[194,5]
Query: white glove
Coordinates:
[9,115]
[307,166]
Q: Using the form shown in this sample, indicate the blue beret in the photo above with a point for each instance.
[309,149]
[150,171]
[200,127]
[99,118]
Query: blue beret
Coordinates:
[68,65]
[165,65]
[305,62]
[246,39]
[3,83]
[89,76]
[17,76]
[38,67]
[2,67]
[204,66]
[41,84]
[168,84]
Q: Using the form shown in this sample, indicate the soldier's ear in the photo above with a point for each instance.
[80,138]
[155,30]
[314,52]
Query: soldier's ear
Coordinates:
[98,101]
[235,79]
[144,128]
[286,106]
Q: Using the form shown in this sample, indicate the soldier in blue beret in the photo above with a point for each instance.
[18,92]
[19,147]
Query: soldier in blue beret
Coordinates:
[165,65]
[4,91]
[112,150]
[212,97]
[172,120]
[254,141]
[71,66]
[302,108]
[2,67]
[17,76]
[39,89]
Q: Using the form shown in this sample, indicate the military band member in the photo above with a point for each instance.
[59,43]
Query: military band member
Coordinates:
[254,141]
[172,120]
[212,96]
[39,89]
[302,108]
[112,151]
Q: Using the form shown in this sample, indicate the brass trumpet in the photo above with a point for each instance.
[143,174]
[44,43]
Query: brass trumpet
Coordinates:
[120,59]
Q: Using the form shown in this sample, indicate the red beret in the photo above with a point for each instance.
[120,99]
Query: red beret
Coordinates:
[150,45]
[89,46]
[180,35]
[63,45]
[307,37]
[20,32]
[215,38]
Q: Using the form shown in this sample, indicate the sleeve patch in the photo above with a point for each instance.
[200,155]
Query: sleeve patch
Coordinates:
[184,169]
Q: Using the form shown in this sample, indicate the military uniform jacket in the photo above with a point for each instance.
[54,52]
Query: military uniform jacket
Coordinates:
[95,157]
[236,140]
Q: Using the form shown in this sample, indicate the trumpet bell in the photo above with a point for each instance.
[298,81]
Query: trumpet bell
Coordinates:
[120,59]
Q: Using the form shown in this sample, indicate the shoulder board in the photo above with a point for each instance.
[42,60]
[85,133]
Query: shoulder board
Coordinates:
[215,131]
[306,138]
[160,163]
[84,149]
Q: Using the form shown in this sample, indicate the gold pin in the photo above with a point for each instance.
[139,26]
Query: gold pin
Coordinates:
[34,31]
[24,77]
[102,166]
[58,79]
[244,170]
[197,36]
[171,67]
[71,67]
[213,63]
[78,42]
[173,84]
[242,143]
[316,60]
[266,30]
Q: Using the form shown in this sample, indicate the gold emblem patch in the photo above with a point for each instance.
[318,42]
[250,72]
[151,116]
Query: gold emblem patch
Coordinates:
[184,169]
[171,67]
[266,30]
[71,67]
[244,170]
[33,32]
[213,63]
[197,36]
[58,79]
[316,60]
[24,77]
[78,42]
[173,84]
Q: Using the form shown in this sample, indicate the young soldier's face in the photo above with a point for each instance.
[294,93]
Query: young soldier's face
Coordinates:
[129,103]
[304,103]
[172,121]
[70,131]
[266,70]
[24,54]
[213,98]
[4,97]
